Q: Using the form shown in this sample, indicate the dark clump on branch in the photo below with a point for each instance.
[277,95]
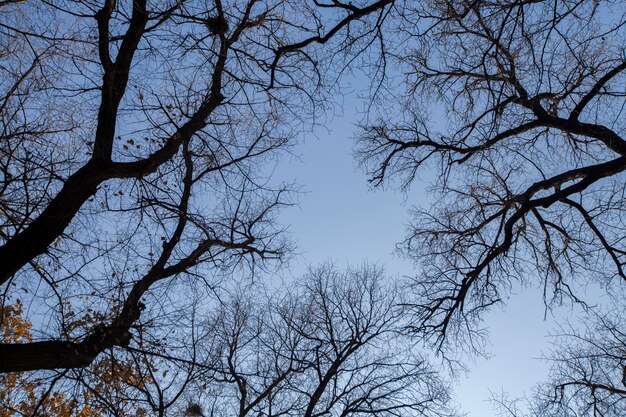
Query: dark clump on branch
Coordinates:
[194,410]
[217,25]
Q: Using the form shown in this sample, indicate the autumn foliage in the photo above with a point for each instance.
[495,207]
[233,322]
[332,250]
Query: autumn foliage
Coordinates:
[27,394]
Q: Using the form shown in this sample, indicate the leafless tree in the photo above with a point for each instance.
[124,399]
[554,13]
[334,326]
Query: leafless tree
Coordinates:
[587,375]
[519,105]
[332,345]
[135,142]
[589,370]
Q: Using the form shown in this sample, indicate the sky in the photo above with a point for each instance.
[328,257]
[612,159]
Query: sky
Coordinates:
[340,218]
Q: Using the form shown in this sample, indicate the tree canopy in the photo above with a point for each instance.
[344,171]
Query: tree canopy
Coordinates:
[139,217]
[133,140]
[531,152]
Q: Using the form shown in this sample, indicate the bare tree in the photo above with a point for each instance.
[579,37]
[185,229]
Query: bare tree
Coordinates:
[519,106]
[332,345]
[135,140]
[587,375]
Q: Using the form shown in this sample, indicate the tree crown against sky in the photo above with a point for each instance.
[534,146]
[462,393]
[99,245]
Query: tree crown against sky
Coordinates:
[135,200]
[519,106]
[587,374]
[136,139]
[332,343]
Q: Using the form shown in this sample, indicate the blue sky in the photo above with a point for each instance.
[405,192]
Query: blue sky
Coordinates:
[340,218]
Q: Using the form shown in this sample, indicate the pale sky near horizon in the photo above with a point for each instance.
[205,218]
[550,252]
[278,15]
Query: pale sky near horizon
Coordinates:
[339,218]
